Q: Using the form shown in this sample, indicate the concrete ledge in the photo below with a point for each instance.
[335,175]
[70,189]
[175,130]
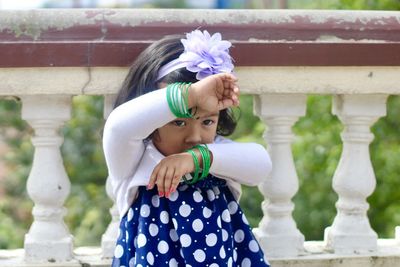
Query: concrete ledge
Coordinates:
[84,257]
[252,80]
[315,255]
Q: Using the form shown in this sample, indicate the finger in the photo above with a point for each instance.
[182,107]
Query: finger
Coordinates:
[227,91]
[228,82]
[230,94]
[236,89]
[236,101]
[153,178]
[229,76]
[169,176]
[160,181]
[175,182]
[225,77]
[228,86]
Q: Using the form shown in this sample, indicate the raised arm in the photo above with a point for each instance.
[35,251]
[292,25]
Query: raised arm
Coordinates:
[136,119]
[127,126]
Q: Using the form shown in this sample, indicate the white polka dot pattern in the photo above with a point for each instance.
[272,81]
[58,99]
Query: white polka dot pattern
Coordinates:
[132,262]
[197,196]
[205,226]
[130,214]
[222,252]
[164,217]
[253,246]
[232,207]
[173,263]
[230,262]
[245,219]
[239,236]
[184,210]
[226,217]
[211,240]
[163,247]
[186,240]
[141,240]
[173,235]
[119,251]
[207,212]
[174,196]
[224,235]
[175,223]
[219,221]
[155,201]
[246,262]
[153,229]
[145,211]
[150,258]
[197,225]
[210,195]
[199,255]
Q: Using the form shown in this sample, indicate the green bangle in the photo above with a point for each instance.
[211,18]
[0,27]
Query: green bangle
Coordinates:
[206,158]
[177,98]
[187,100]
[196,168]
[185,93]
[171,100]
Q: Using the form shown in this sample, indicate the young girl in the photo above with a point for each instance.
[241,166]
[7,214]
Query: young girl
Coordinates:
[175,178]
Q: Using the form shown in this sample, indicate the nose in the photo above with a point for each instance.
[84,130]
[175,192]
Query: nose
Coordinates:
[193,137]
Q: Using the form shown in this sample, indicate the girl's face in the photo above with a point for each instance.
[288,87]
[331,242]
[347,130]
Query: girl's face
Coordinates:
[184,133]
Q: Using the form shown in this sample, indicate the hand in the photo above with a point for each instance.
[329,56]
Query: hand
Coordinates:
[169,171]
[214,93]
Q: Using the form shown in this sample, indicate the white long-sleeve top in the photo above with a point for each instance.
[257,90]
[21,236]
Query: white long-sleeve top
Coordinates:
[130,160]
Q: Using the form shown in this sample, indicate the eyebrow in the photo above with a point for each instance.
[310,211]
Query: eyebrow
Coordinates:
[207,115]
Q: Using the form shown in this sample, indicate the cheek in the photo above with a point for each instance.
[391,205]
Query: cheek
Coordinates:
[210,134]
[170,137]
[168,142]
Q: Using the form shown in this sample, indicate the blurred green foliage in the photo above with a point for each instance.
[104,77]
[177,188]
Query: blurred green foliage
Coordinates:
[316,151]
[87,204]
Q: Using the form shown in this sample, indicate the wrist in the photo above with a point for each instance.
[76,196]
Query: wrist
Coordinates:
[192,92]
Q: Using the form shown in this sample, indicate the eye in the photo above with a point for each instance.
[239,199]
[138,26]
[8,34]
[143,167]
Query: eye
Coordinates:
[208,122]
[179,123]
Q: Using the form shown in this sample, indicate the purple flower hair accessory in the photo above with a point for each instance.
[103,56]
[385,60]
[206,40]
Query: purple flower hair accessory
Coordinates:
[204,54]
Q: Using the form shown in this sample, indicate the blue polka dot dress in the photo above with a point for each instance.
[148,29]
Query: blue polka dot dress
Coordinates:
[199,225]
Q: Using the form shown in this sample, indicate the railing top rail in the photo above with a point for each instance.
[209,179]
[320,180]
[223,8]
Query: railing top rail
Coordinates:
[114,37]
[240,25]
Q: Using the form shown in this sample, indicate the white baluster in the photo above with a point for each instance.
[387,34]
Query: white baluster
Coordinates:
[397,234]
[109,238]
[277,232]
[354,178]
[48,185]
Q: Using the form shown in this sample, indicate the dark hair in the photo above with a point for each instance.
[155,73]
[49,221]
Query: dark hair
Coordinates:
[142,77]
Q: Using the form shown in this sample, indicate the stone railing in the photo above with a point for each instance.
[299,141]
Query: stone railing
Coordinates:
[47,57]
